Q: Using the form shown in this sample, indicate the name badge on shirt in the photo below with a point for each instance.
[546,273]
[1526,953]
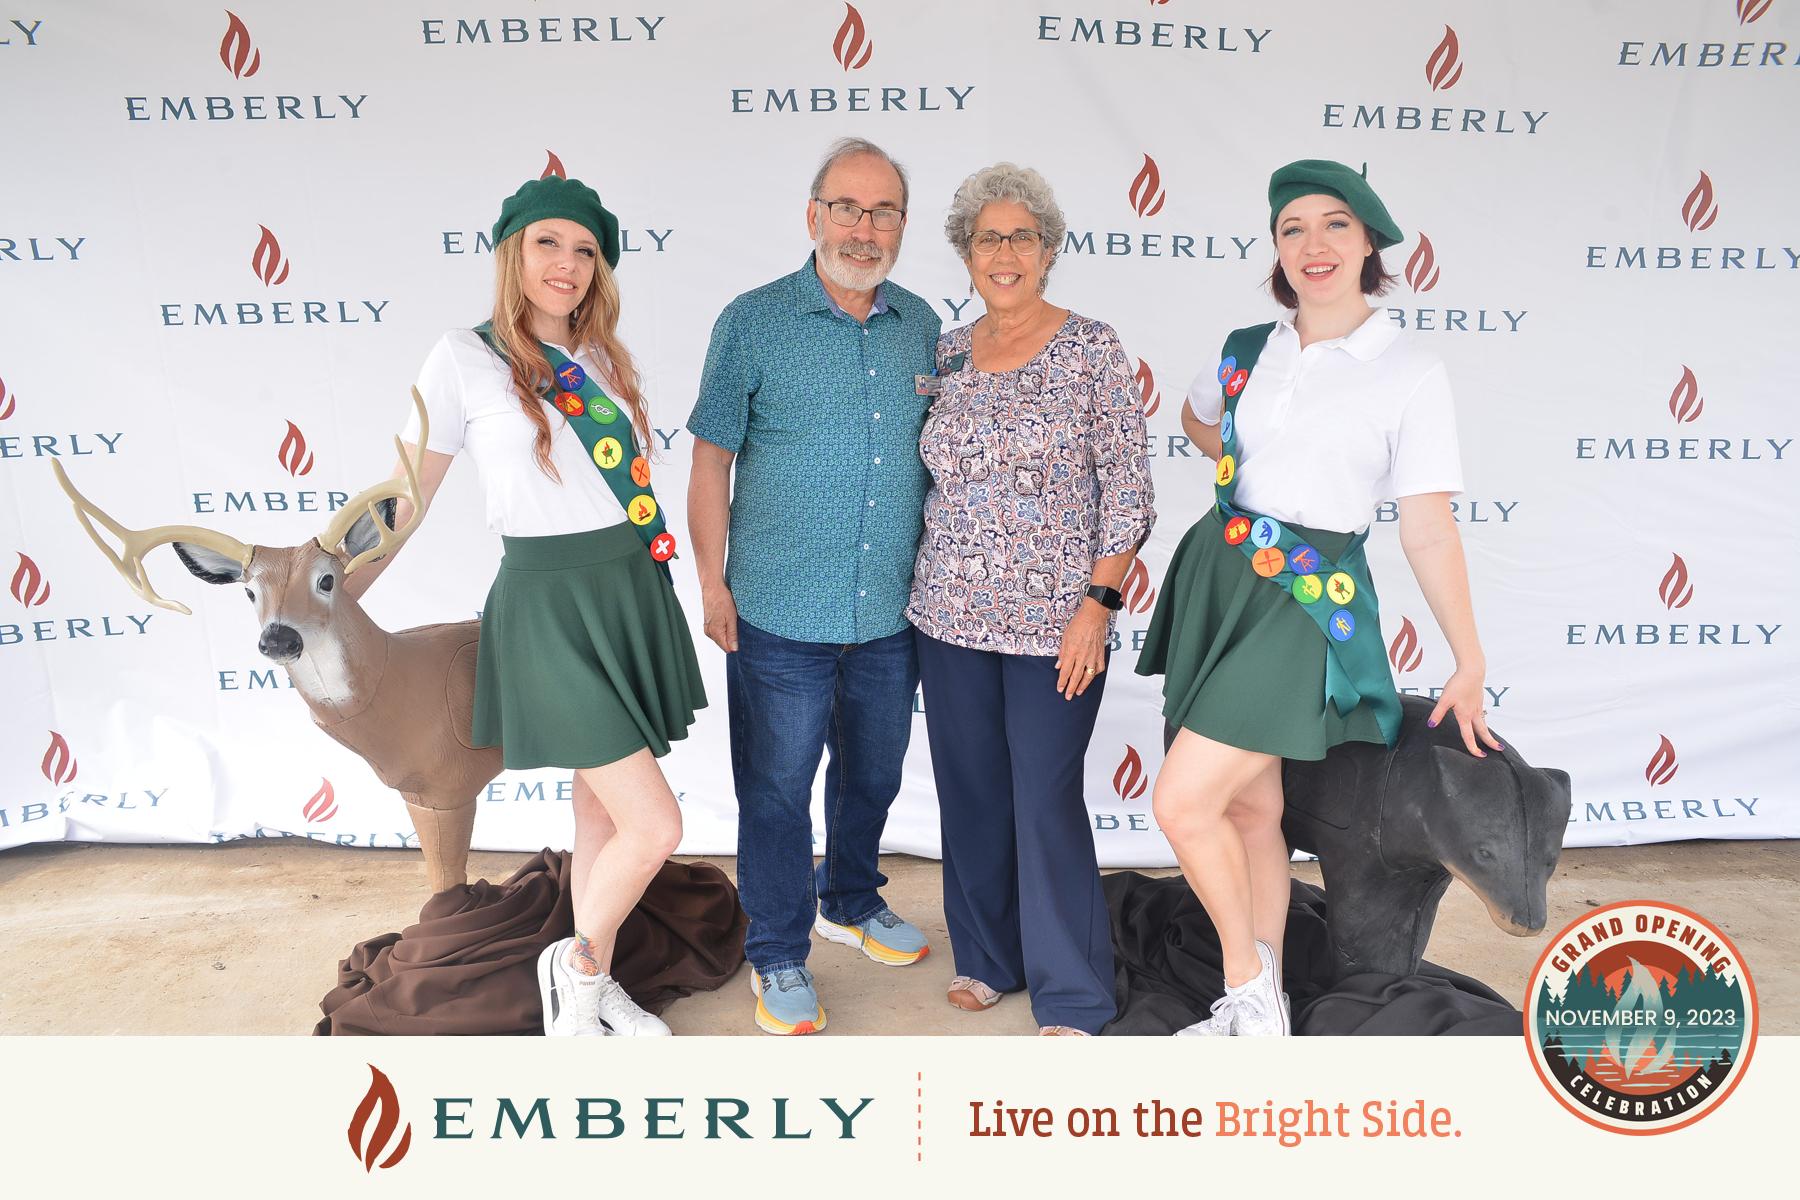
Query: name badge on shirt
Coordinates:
[928,385]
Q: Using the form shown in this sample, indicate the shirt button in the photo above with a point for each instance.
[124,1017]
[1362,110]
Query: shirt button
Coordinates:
[865,545]
[871,370]
[862,593]
[878,462]
[871,504]
[878,416]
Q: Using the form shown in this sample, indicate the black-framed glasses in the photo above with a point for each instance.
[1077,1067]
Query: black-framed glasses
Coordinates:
[845,213]
[1022,241]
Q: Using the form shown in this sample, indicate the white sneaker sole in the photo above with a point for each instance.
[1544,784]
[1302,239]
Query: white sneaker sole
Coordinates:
[546,973]
[873,950]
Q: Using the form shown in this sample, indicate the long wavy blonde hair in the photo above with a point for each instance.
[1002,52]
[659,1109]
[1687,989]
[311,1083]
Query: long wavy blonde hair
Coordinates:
[594,326]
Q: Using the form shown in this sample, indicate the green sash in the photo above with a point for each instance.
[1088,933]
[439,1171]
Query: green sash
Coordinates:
[611,447]
[1338,596]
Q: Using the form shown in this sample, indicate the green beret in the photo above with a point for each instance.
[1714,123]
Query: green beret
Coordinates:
[569,199]
[1321,176]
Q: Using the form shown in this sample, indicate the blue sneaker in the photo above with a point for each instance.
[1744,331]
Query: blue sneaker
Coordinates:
[786,1001]
[884,937]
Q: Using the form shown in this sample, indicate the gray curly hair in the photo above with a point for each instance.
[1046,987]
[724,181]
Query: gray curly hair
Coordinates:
[1005,181]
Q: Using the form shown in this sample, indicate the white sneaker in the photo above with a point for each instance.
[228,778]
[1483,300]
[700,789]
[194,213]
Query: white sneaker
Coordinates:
[1257,1007]
[571,1001]
[1217,1025]
[620,1014]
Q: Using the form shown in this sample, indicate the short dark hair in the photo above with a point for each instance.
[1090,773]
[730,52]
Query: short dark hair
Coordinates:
[1375,281]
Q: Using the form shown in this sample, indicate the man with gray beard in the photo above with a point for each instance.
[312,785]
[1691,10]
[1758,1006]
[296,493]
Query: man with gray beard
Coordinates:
[815,389]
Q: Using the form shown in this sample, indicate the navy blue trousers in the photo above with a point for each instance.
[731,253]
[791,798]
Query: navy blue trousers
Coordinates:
[1021,884]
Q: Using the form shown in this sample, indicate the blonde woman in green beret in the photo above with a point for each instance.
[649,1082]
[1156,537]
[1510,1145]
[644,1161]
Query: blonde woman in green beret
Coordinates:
[1267,633]
[585,660]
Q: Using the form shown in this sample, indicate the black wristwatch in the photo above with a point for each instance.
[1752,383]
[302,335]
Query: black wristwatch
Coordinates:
[1108,597]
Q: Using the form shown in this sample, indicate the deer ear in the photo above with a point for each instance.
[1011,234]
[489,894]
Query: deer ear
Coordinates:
[363,535]
[208,565]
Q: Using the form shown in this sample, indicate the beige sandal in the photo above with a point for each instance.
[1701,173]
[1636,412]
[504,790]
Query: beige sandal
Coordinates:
[1062,1031]
[972,995]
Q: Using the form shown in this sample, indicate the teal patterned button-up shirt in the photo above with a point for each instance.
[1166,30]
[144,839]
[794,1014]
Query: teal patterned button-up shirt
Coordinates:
[824,416]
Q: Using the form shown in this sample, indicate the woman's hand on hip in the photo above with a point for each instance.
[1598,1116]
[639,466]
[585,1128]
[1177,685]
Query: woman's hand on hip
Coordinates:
[1083,653]
[1463,696]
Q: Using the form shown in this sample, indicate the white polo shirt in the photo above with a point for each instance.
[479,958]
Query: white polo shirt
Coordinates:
[469,393]
[1327,433]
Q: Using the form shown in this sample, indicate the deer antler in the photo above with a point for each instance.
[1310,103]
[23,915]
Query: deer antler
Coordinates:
[135,543]
[390,540]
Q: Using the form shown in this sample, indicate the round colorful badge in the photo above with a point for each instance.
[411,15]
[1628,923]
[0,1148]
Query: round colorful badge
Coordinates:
[1226,425]
[1307,588]
[640,471]
[1341,626]
[1268,562]
[571,404]
[1236,530]
[1341,588]
[606,453]
[642,510]
[1227,471]
[602,410]
[662,547]
[1303,559]
[1227,368]
[1236,383]
[571,376]
[1264,532]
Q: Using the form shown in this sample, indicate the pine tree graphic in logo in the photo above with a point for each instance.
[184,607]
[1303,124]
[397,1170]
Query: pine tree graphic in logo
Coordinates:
[1642,1017]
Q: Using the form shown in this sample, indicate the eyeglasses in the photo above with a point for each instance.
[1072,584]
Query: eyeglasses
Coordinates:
[1022,241]
[845,213]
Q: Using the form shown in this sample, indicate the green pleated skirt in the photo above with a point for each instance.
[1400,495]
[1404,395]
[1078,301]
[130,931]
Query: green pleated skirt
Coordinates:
[585,655]
[1242,662]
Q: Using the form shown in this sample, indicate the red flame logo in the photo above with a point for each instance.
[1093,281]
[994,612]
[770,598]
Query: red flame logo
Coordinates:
[267,262]
[1421,268]
[553,166]
[1404,652]
[293,454]
[1129,781]
[235,51]
[28,585]
[852,47]
[1662,765]
[1146,193]
[6,402]
[1698,210]
[1149,399]
[1675,589]
[1442,69]
[59,764]
[1138,593]
[379,1096]
[1749,10]
[323,805]
[1686,402]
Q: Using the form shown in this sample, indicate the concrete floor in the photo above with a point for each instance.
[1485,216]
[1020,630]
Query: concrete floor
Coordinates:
[245,937]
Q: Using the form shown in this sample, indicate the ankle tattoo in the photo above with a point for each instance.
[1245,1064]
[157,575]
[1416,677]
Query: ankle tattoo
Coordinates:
[581,955]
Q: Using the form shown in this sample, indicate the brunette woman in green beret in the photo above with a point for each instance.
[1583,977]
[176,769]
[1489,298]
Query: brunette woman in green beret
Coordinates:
[1268,632]
[585,660]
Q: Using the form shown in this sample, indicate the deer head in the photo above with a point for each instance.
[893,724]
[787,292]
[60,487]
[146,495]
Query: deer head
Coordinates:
[296,589]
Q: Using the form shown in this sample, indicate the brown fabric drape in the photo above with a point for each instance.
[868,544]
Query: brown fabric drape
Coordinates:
[469,966]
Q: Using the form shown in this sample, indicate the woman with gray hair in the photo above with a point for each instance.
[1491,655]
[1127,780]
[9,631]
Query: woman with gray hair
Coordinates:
[1040,497]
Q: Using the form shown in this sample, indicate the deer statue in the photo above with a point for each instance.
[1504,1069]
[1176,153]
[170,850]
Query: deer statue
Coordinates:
[402,701]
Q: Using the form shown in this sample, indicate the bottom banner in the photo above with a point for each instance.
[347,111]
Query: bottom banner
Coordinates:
[877,1116]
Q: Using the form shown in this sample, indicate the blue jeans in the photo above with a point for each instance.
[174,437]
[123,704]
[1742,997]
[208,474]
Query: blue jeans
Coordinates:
[788,700]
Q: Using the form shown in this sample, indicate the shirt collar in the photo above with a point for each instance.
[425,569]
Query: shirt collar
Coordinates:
[1365,342]
[813,297]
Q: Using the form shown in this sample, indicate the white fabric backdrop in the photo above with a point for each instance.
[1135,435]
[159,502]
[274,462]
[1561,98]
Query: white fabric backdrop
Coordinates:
[223,235]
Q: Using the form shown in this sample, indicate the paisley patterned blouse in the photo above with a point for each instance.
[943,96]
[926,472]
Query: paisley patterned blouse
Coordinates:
[1037,473]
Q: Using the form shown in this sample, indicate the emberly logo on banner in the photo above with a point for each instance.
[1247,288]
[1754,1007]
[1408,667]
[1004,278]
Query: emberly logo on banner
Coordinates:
[48,445]
[1145,196]
[1406,654]
[1463,510]
[519,31]
[30,587]
[1666,55]
[296,459]
[1660,766]
[1148,35]
[1443,71]
[60,767]
[242,59]
[1423,274]
[851,48]
[271,269]
[1675,590]
[1699,210]
[41,249]
[631,241]
[1686,403]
